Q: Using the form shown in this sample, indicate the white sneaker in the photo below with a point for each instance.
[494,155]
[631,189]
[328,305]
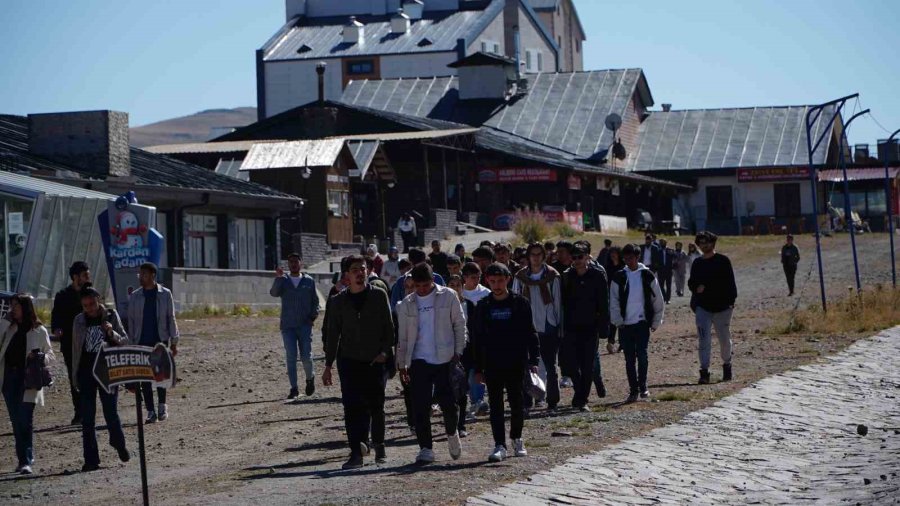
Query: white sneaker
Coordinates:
[565,382]
[163,412]
[498,454]
[26,469]
[519,448]
[455,446]
[425,456]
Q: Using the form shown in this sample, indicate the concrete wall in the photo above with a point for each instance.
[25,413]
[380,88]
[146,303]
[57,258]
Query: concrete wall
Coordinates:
[315,248]
[219,287]
[762,194]
[532,39]
[291,84]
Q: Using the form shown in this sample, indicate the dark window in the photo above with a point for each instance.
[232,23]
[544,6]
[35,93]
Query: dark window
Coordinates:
[719,203]
[787,200]
[361,67]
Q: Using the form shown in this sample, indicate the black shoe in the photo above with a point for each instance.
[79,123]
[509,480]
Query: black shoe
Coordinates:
[601,390]
[86,468]
[76,420]
[704,377]
[645,394]
[726,372]
[124,456]
[354,462]
[294,394]
[380,454]
[310,387]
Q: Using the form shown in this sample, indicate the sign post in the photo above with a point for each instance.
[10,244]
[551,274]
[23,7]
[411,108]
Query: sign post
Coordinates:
[123,365]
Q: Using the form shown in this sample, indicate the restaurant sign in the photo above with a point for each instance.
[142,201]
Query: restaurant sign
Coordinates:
[772,174]
[516,175]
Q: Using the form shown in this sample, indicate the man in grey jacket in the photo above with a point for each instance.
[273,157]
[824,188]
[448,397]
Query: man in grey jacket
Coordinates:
[431,339]
[151,320]
[299,309]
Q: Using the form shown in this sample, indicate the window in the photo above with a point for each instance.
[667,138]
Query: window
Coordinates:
[787,200]
[202,241]
[496,48]
[540,61]
[529,57]
[339,203]
[484,46]
[719,204]
[359,67]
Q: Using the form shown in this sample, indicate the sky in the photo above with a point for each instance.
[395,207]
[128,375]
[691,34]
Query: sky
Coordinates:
[168,58]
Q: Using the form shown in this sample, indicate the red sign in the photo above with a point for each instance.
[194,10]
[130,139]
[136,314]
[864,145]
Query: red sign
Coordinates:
[517,175]
[772,174]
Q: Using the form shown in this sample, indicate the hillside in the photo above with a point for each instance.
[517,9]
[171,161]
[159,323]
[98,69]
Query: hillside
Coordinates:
[198,127]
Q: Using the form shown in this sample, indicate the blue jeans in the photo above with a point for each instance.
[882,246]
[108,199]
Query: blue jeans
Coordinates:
[476,390]
[298,339]
[635,339]
[21,414]
[89,389]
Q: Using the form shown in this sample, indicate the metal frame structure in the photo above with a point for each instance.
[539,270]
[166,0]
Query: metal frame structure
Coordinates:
[890,210]
[848,212]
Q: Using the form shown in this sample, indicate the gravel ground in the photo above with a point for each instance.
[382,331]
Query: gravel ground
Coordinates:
[231,439]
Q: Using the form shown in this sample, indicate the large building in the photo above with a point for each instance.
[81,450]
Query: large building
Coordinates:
[391,39]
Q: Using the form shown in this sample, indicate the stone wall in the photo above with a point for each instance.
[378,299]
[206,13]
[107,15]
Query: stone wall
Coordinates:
[219,287]
[442,225]
[315,248]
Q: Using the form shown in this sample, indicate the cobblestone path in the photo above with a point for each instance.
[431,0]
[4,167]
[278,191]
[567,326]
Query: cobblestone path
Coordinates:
[792,438]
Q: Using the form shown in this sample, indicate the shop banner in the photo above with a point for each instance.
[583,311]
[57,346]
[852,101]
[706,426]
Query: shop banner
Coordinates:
[773,174]
[135,364]
[129,237]
[516,175]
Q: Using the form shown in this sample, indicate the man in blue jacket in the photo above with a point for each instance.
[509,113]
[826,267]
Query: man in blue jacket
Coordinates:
[299,309]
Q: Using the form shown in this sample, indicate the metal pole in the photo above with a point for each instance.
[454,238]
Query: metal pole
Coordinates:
[145,491]
[444,167]
[427,176]
[890,210]
[810,149]
[848,212]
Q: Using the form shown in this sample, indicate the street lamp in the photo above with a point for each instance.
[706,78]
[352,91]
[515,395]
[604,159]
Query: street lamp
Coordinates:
[890,210]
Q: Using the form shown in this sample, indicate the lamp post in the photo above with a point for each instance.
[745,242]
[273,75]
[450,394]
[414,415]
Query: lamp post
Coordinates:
[848,211]
[890,209]
[306,174]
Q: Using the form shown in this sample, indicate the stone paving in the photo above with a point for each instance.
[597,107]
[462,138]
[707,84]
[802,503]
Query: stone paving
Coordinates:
[827,433]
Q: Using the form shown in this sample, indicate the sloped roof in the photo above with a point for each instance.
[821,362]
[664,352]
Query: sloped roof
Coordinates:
[324,37]
[482,58]
[728,138]
[147,168]
[565,111]
[33,185]
[283,155]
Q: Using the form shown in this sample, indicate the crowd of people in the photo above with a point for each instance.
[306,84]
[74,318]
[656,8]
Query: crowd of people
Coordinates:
[465,334]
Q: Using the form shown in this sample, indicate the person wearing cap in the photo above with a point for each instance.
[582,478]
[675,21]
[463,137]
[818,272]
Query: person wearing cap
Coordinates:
[506,348]
[541,285]
[390,272]
[585,301]
[636,309]
[790,257]
[431,338]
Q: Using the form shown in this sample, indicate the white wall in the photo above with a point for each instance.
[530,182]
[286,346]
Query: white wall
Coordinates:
[418,65]
[317,8]
[492,34]
[294,83]
[531,39]
[761,194]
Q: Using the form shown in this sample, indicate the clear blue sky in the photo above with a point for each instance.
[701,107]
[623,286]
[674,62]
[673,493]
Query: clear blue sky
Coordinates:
[167,58]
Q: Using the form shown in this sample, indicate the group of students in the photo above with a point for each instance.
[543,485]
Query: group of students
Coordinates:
[455,327]
[84,326]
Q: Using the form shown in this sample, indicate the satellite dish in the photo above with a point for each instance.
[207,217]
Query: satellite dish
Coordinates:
[613,122]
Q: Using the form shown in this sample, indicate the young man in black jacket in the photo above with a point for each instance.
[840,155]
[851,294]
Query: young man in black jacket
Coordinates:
[714,292]
[790,257]
[506,347]
[666,269]
[585,320]
[66,306]
[360,338]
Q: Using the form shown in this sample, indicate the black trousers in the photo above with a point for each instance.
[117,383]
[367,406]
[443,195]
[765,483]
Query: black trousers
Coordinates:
[550,342]
[409,240]
[635,340]
[432,382]
[510,379]
[65,344]
[582,348]
[147,395]
[790,272]
[362,393]
[665,283]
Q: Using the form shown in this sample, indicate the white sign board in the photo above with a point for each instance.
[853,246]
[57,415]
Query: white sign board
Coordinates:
[16,223]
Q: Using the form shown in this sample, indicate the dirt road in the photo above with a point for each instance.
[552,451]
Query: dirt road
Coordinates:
[231,438]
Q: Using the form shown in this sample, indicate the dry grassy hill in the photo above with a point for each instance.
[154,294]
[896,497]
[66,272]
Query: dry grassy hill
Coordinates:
[198,127]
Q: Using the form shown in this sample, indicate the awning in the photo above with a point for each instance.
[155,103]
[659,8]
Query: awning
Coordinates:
[857,174]
[283,155]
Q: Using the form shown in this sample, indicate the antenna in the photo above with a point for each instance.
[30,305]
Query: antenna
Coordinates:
[613,122]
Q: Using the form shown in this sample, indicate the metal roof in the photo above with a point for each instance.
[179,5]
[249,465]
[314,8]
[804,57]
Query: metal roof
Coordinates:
[147,168]
[540,5]
[35,185]
[205,147]
[727,138]
[283,155]
[363,153]
[410,136]
[232,168]
[565,111]
[323,37]
[858,174]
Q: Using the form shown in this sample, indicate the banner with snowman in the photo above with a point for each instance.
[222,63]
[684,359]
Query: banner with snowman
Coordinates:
[130,238]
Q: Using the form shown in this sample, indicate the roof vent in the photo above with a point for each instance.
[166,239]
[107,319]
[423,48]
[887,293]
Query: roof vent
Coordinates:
[304,49]
[399,23]
[414,9]
[425,42]
[354,31]
[667,107]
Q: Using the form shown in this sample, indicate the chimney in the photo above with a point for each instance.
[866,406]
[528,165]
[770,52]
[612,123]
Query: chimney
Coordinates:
[400,23]
[294,8]
[888,151]
[354,31]
[320,70]
[93,141]
[667,107]
[414,9]
[861,153]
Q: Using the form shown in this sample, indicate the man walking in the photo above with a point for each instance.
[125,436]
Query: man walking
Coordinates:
[438,259]
[679,266]
[407,228]
[299,309]
[714,293]
[431,339]
[586,320]
[360,338]
[540,284]
[506,347]
[636,309]
[666,267]
[651,256]
[66,306]
[151,320]
[790,257]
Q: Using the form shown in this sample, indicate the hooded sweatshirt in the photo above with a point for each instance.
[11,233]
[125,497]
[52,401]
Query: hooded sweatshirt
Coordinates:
[629,300]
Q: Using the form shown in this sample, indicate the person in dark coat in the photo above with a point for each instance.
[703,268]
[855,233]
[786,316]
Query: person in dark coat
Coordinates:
[651,256]
[666,269]
[66,306]
[790,257]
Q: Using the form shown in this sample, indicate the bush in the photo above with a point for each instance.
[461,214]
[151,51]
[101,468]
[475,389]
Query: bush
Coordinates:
[241,310]
[564,230]
[530,226]
[860,312]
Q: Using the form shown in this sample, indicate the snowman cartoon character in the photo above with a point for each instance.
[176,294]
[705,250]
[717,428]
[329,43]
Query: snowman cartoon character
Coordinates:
[127,232]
